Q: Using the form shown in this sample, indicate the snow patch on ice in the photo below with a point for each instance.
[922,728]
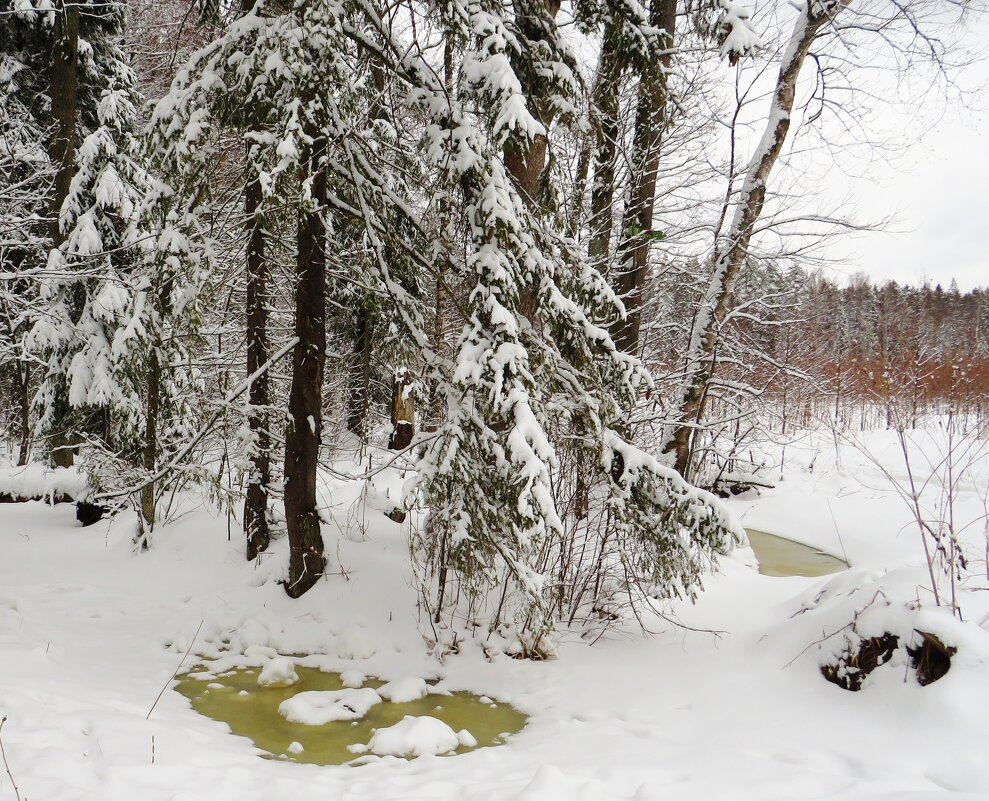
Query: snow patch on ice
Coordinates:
[352,679]
[317,707]
[416,736]
[401,691]
[279,672]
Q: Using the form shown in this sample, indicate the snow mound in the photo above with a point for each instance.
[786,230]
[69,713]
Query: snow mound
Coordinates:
[355,643]
[401,691]
[279,672]
[40,481]
[260,652]
[317,707]
[418,736]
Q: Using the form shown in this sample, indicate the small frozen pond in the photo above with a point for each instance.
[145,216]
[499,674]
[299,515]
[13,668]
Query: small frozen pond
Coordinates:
[341,722]
[782,557]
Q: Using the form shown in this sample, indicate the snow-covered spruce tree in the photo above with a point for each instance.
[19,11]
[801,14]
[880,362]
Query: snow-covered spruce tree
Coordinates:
[518,386]
[295,81]
[112,295]
[27,176]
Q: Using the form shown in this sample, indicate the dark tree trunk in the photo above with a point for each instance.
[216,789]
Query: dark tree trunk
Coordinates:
[23,372]
[150,455]
[650,121]
[362,327]
[64,98]
[256,502]
[61,148]
[359,394]
[306,561]
[526,166]
[435,413]
[605,102]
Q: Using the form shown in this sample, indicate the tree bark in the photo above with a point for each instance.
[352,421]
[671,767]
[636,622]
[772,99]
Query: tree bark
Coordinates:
[306,561]
[359,391]
[150,454]
[651,118]
[403,417]
[23,372]
[729,256]
[258,419]
[526,166]
[605,104]
[62,150]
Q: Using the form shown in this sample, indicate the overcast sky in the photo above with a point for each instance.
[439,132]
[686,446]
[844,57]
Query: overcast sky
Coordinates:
[938,190]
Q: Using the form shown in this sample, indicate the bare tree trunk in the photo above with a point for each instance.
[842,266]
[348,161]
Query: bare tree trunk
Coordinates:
[580,186]
[526,167]
[605,108]
[362,329]
[23,372]
[403,413]
[729,256]
[359,391]
[150,454]
[434,416]
[258,419]
[302,440]
[651,118]
[61,148]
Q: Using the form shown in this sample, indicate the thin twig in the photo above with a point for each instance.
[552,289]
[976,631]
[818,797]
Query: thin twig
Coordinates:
[6,764]
[176,671]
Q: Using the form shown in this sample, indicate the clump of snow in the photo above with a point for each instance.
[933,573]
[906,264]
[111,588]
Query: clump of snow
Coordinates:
[295,747]
[278,672]
[739,36]
[318,707]
[352,678]
[418,736]
[401,691]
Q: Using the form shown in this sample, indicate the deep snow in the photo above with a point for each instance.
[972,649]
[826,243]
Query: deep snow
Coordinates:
[90,633]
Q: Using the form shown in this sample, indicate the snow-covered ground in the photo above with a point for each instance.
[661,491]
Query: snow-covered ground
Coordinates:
[90,633]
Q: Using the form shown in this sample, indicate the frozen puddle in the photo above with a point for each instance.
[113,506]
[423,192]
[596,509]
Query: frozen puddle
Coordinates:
[322,720]
[782,557]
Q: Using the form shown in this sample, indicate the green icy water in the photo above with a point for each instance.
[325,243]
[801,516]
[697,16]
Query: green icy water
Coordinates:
[252,711]
[782,557]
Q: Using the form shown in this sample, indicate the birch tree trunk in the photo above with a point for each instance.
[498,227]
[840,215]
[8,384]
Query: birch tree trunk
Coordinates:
[730,253]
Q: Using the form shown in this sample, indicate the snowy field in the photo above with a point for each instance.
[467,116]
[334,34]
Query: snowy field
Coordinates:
[732,708]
